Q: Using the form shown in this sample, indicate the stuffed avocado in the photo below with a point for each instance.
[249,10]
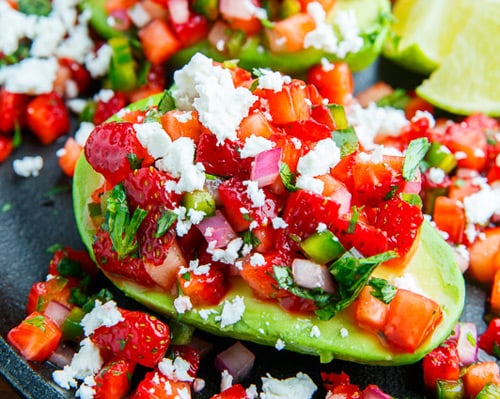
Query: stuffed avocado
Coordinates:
[255,33]
[223,222]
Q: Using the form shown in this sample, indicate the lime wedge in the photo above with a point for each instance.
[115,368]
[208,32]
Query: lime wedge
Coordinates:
[423,32]
[468,79]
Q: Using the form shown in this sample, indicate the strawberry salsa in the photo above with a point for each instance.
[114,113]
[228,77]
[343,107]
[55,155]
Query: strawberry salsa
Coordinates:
[302,215]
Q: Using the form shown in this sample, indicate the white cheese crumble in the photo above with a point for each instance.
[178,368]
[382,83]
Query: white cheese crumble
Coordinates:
[254,145]
[86,362]
[280,344]
[482,205]
[28,166]
[256,194]
[98,64]
[31,76]
[210,90]
[373,120]
[176,370]
[437,175]
[257,259]
[106,314]
[182,304]
[279,223]
[344,332]
[231,311]
[226,380]
[316,162]
[299,387]
[83,132]
[272,80]
[315,332]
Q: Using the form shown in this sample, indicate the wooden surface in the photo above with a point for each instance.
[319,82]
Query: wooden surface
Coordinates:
[6,391]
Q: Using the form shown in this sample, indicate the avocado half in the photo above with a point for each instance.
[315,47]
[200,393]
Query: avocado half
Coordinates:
[373,18]
[433,268]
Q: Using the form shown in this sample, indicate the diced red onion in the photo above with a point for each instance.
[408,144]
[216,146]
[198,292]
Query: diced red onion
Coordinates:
[467,343]
[178,11]
[237,360]
[119,20]
[266,167]
[217,229]
[309,274]
[57,312]
[62,355]
[374,392]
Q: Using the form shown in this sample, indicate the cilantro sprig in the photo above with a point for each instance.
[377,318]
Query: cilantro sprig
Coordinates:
[415,153]
[121,226]
[351,272]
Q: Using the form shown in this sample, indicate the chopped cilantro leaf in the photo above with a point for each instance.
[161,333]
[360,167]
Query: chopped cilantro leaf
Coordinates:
[35,7]
[414,154]
[122,228]
[167,102]
[382,289]
[37,321]
[287,177]
[397,99]
[165,221]
[135,163]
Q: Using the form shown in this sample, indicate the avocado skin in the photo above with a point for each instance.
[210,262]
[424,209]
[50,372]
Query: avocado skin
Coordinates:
[433,268]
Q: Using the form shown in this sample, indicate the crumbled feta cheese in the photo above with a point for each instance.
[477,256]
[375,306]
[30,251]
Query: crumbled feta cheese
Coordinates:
[322,37]
[182,304]
[76,105]
[280,344]
[256,194]
[86,390]
[28,166]
[321,227]
[231,311]
[83,132]
[251,392]
[372,120]
[98,64]
[199,384]
[315,332]
[257,259]
[437,175]
[326,65]
[106,314]
[279,223]
[320,159]
[210,90]
[227,255]
[299,387]
[254,145]
[177,370]
[183,117]
[482,205]
[408,282]
[205,313]
[272,80]
[226,380]
[349,31]
[31,76]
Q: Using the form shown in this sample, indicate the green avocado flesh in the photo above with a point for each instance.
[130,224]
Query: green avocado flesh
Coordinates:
[372,16]
[433,269]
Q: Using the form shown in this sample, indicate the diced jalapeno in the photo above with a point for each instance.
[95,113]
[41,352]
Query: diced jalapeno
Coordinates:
[122,73]
[200,200]
[339,116]
[322,247]
[439,156]
[71,327]
[490,391]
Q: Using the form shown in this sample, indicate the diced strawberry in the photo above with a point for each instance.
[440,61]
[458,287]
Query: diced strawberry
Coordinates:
[114,379]
[154,246]
[223,159]
[6,147]
[204,288]
[235,391]
[12,108]
[156,385]
[106,108]
[114,151]
[130,267]
[139,337]
[47,117]
[241,210]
